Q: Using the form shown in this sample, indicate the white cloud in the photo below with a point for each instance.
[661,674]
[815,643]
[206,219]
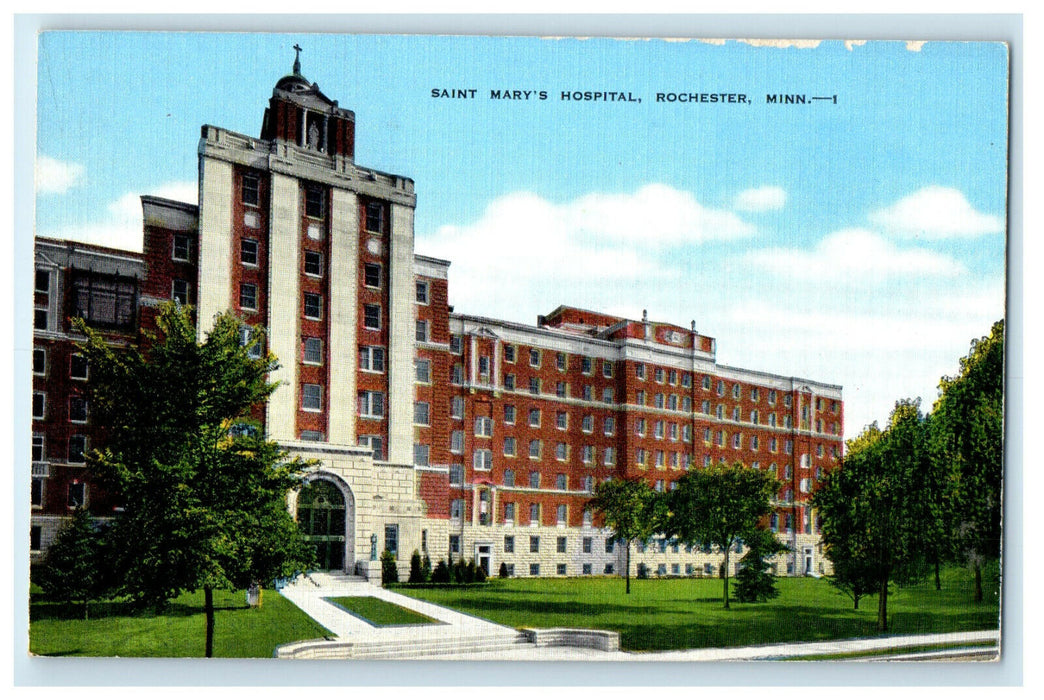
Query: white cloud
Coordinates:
[56,177]
[122,228]
[936,213]
[854,256]
[761,199]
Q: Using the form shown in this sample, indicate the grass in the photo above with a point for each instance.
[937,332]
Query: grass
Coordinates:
[115,629]
[687,613]
[380,613]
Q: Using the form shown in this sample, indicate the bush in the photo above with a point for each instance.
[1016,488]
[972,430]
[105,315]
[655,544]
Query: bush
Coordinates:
[441,574]
[426,567]
[74,569]
[416,569]
[503,570]
[480,574]
[643,571]
[389,570]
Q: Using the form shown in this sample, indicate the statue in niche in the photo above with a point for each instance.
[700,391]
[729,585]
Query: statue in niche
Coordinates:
[313,136]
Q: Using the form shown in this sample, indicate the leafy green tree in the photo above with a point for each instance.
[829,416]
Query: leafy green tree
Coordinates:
[717,505]
[872,516]
[204,493]
[632,510]
[967,435]
[72,570]
[755,583]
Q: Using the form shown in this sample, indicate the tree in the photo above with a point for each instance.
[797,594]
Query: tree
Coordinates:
[632,510]
[389,569]
[72,570]
[871,510]
[967,436]
[719,504]
[204,493]
[416,569]
[755,583]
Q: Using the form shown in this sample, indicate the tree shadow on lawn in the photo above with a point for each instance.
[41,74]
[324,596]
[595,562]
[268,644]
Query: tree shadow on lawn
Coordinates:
[57,610]
[544,607]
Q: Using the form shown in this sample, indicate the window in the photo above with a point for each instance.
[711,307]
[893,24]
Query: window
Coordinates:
[560,543]
[534,418]
[372,274]
[456,344]
[510,447]
[610,456]
[609,425]
[40,319]
[587,365]
[77,494]
[509,544]
[422,371]
[482,460]
[534,449]
[484,426]
[457,441]
[40,361]
[534,569]
[181,248]
[659,401]
[639,457]
[588,457]
[391,538]
[43,281]
[313,351]
[454,544]
[313,306]
[420,455]
[371,359]
[77,366]
[560,390]
[509,513]
[422,332]
[534,385]
[77,449]
[77,409]
[658,375]
[509,382]
[179,291]
[422,292]
[587,424]
[561,482]
[315,200]
[587,393]
[509,477]
[248,252]
[509,414]
[607,395]
[672,402]
[372,316]
[509,353]
[534,358]
[658,429]
[639,397]
[39,405]
[457,374]
[639,427]
[534,480]
[560,361]
[39,454]
[371,404]
[421,413]
[311,397]
[686,380]
[313,263]
[534,540]
[607,369]
[375,443]
[375,217]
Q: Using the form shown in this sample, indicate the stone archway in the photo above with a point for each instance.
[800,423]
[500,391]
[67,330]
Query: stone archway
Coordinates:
[325,512]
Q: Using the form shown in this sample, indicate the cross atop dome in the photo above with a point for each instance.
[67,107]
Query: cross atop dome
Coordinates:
[297,59]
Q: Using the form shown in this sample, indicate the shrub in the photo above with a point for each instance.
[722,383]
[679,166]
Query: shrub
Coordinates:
[73,570]
[426,567]
[503,570]
[480,574]
[441,574]
[389,570]
[643,571]
[416,569]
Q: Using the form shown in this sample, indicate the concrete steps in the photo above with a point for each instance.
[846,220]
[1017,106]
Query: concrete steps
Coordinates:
[414,647]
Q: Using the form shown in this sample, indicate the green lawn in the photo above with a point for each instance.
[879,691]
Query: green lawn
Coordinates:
[115,630]
[381,613]
[687,613]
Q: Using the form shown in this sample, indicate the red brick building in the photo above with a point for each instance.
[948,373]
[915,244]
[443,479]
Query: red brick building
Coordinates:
[451,434]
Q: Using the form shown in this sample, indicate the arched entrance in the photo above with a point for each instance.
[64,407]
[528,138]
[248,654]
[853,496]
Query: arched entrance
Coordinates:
[322,517]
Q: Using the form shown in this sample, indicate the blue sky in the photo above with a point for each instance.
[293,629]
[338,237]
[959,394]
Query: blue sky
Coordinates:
[859,243]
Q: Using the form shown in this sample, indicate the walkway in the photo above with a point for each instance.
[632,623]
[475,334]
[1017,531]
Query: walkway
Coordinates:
[463,637]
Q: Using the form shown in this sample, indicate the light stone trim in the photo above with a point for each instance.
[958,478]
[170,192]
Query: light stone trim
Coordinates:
[341,353]
[284,304]
[214,284]
[401,335]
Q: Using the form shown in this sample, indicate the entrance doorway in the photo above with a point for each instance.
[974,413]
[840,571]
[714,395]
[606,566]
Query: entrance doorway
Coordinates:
[321,515]
[484,557]
[808,561]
